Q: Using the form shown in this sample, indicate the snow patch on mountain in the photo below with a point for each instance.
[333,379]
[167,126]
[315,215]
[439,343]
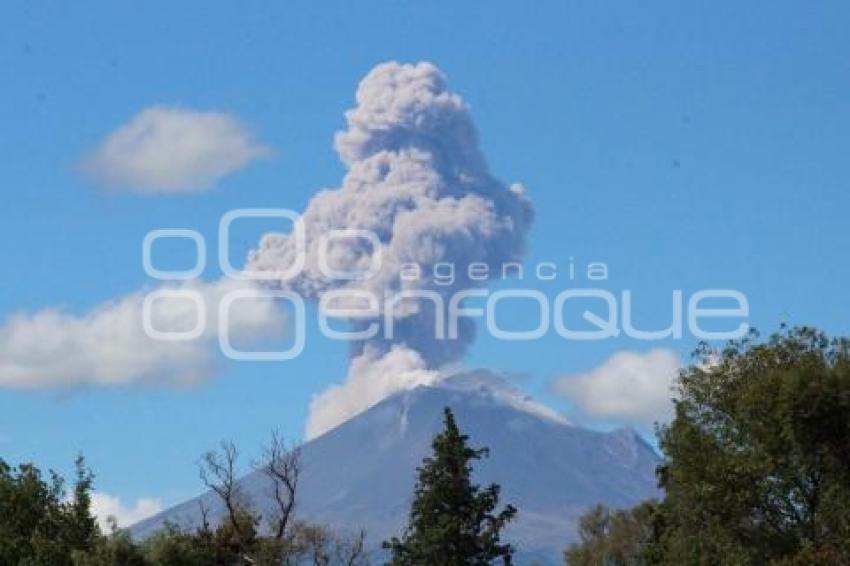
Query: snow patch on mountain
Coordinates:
[496,388]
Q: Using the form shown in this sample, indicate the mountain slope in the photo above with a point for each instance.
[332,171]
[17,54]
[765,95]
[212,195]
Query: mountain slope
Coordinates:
[361,474]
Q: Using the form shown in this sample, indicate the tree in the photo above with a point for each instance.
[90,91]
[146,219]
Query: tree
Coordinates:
[238,538]
[39,525]
[117,549]
[452,520]
[614,537]
[758,454]
[757,458]
[351,550]
[175,547]
[282,466]
[218,472]
[80,525]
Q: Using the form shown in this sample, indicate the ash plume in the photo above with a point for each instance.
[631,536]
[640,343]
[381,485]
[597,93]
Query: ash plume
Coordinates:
[416,179]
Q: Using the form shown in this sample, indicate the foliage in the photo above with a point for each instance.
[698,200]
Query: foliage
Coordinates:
[113,550]
[614,537]
[39,524]
[176,547]
[757,459]
[452,520]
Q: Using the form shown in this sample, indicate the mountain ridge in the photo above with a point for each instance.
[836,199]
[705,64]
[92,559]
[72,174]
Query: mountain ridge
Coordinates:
[361,474]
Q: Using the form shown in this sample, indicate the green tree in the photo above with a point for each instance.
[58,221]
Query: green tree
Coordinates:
[175,547]
[615,537]
[758,454]
[757,458]
[81,530]
[452,520]
[39,525]
[117,549]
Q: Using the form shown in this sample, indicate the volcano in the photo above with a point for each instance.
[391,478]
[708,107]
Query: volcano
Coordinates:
[361,474]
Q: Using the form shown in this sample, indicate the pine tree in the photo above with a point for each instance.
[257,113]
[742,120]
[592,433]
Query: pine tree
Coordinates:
[452,520]
[81,526]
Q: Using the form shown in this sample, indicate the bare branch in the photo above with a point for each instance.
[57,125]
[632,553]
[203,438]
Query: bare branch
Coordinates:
[205,517]
[282,465]
[351,551]
[218,472]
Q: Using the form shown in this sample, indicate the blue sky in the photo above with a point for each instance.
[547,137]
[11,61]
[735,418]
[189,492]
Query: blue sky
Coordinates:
[686,147]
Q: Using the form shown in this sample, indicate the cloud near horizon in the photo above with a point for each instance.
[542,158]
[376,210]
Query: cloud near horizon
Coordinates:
[629,387]
[105,506]
[164,150]
[108,346]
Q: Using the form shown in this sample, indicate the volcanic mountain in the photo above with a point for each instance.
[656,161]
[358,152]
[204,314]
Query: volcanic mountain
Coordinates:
[361,474]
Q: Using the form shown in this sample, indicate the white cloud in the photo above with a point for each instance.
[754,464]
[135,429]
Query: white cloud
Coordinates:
[370,379]
[105,506]
[108,346]
[173,150]
[629,387]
